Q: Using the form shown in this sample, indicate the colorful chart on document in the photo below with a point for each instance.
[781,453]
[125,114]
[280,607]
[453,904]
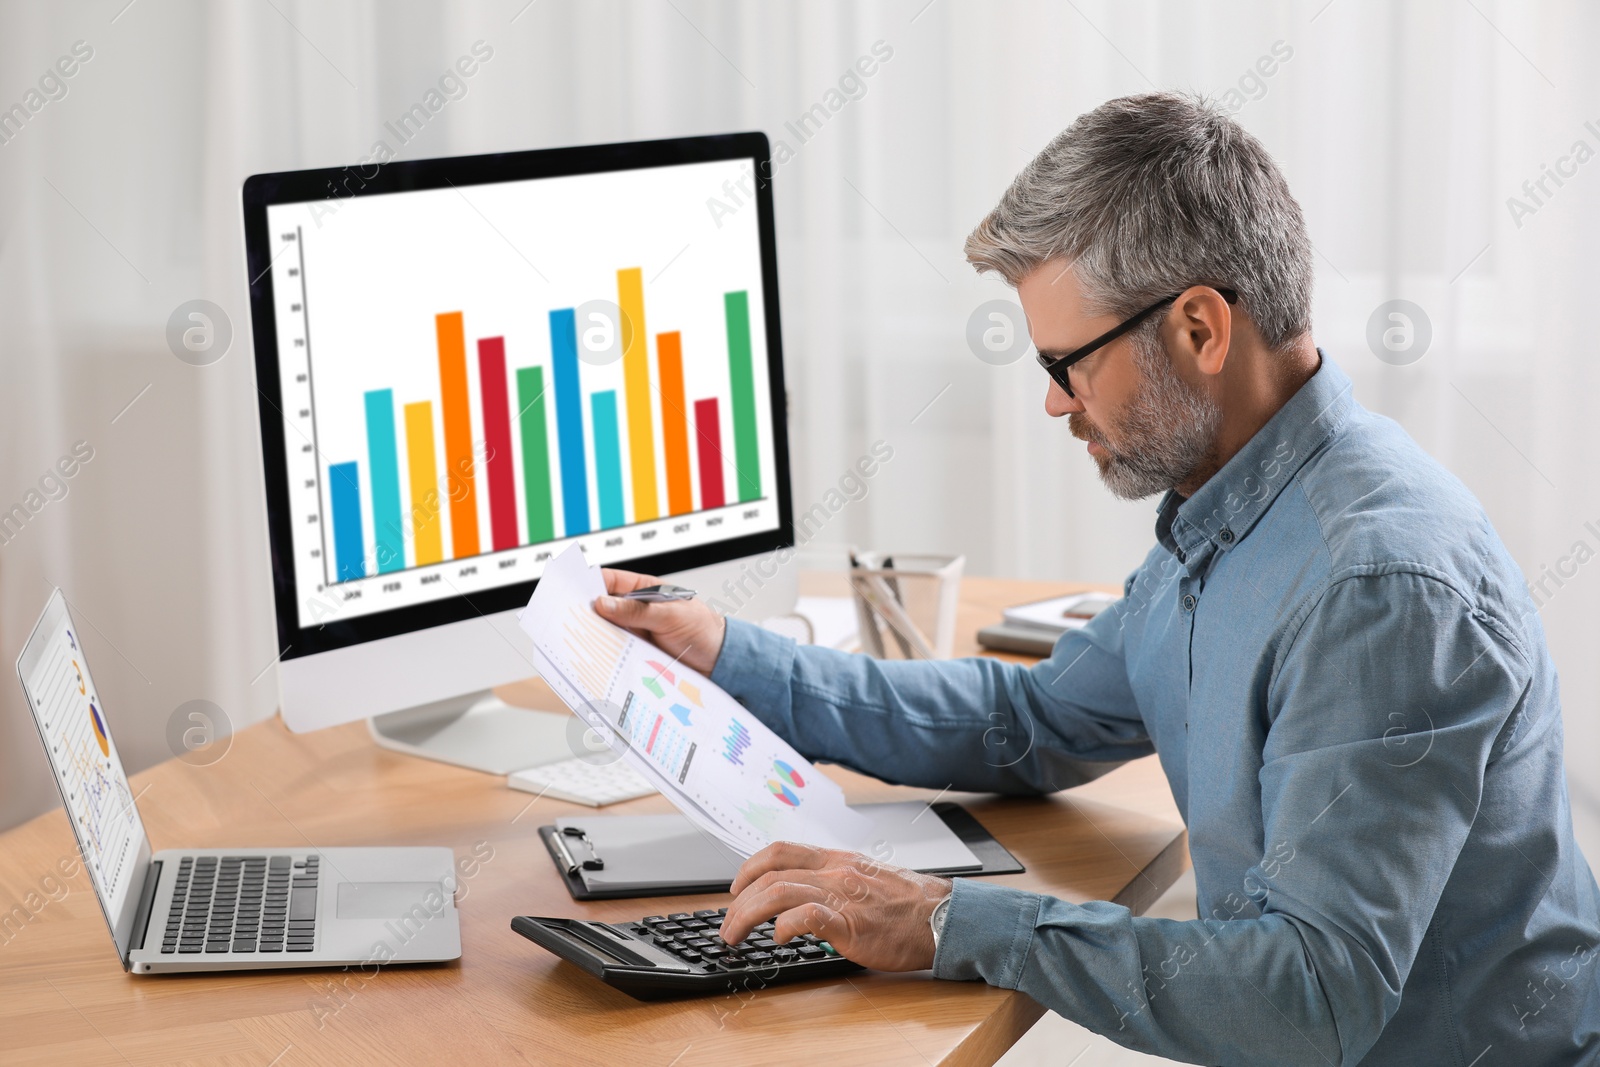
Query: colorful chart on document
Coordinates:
[473,378]
[732,775]
[785,784]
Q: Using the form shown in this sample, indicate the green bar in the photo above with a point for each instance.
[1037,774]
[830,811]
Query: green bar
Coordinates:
[535,454]
[746,452]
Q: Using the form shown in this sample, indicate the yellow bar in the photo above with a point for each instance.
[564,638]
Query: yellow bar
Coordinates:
[636,382]
[426,531]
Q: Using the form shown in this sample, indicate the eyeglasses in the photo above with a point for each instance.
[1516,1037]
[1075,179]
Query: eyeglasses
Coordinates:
[1059,366]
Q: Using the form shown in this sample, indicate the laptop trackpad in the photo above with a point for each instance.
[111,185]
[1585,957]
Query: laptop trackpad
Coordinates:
[389,900]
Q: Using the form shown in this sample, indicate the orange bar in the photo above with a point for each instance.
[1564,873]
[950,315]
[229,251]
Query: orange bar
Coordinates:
[674,423]
[457,435]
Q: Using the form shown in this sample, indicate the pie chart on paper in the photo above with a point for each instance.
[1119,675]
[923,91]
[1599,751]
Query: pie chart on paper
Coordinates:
[786,783]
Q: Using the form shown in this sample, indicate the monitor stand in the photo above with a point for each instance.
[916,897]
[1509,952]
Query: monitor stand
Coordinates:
[478,731]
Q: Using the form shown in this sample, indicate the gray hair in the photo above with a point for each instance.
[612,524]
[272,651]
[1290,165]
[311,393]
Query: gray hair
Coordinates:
[1147,195]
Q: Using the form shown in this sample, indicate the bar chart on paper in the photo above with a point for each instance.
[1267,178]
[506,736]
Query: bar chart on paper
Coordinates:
[474,378]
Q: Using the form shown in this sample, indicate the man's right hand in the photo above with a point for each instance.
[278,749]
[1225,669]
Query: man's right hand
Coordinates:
[687,630]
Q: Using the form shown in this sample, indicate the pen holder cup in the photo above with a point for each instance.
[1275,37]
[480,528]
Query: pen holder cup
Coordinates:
[906,603]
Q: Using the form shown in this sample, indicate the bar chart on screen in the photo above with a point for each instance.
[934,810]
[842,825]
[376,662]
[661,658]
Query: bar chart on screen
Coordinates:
[482,375]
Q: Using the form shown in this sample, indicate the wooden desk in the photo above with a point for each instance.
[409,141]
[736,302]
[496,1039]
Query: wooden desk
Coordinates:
[64,998]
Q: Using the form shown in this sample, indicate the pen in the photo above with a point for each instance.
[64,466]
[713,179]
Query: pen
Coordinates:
[655,594]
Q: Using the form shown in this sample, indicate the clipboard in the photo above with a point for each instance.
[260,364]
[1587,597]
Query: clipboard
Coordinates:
[614,857]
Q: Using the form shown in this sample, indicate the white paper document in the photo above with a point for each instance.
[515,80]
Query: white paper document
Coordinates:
[722,767]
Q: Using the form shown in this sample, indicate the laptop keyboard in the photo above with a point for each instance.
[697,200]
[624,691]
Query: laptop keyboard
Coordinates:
[243,904]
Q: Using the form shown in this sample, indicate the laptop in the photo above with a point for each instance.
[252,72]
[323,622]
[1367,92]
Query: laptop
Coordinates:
[221,909]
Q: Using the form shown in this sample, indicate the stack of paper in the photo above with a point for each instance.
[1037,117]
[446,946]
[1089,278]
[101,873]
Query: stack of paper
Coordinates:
[716,762]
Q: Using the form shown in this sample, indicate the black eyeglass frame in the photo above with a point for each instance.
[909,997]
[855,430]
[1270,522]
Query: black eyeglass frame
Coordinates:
[1059,366]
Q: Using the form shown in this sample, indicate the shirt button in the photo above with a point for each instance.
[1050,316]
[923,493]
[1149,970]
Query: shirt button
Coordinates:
[1188,602]
[1225,535]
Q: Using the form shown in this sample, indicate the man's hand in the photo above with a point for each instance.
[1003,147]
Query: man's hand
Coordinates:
[687,630]
[874,914]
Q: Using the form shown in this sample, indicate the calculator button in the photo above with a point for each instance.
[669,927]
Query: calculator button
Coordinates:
[700,942]
[714,951]
[706,914]
[763,942]
[679,916]
[691,956]
[758,956]
[811,952]
[653,919]
[693,924]
[785,955]
[829,949]
[733,962]
[668,928]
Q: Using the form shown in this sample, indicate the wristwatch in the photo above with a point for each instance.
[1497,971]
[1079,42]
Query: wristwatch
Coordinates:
[936,921]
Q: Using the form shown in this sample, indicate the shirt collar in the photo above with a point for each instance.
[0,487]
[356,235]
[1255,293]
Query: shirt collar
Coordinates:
[1225,508]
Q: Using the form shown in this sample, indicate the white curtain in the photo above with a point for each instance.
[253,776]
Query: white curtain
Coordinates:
[1403,129]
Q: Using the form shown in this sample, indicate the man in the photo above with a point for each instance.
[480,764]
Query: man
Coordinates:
[1328,647]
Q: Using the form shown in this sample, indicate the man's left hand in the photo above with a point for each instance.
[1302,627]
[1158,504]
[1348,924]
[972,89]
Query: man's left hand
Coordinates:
[874,914]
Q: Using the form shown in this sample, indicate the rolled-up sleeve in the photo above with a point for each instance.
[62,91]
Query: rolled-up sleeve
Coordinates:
[1388,704]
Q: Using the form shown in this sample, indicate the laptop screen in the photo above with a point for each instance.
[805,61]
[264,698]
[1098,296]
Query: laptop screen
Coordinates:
[72,723]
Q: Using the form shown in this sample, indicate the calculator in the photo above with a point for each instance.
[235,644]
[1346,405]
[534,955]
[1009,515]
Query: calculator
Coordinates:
[682,954]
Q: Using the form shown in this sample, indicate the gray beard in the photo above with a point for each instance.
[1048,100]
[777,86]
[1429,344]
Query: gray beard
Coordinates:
[1166,435]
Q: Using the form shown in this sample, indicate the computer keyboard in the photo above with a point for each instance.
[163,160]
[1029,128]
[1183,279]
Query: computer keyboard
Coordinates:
[581,782]
[682,954]
[243,904]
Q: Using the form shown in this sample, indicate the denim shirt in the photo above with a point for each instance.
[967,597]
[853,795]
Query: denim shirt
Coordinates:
[1348,687]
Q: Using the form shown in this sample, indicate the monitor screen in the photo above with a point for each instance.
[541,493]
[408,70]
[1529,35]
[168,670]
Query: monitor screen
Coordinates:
[472,363]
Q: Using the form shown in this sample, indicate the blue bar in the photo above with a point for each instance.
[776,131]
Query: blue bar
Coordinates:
[386,528]
[607,458]
[569,421]
[344,486]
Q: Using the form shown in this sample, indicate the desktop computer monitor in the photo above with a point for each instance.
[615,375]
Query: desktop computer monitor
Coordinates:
[466,365]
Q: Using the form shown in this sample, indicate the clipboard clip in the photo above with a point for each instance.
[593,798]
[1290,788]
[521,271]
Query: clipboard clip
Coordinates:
[593,863]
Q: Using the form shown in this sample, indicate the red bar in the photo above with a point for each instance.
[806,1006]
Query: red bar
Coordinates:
[654,730]
[708,428]
[497,435]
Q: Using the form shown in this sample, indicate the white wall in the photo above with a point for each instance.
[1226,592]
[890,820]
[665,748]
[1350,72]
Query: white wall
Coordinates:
[1403,130]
